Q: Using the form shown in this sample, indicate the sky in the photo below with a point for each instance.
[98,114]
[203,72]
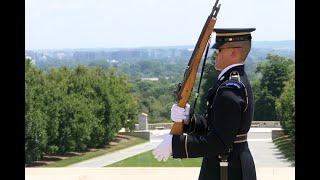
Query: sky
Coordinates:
[57,24]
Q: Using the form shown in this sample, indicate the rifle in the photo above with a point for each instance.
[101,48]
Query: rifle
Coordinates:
[184,88]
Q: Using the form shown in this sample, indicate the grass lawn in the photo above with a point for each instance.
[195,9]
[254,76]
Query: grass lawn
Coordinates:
[285,145]
[75,159]
[147,160]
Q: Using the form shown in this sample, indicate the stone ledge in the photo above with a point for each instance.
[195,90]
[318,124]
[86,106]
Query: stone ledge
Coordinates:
[141,173]
[266,124]
[254,124]
[277,133]
[140,134]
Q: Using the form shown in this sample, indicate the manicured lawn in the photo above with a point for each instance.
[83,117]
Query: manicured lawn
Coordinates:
[285,145]
[147,160]
[75,159]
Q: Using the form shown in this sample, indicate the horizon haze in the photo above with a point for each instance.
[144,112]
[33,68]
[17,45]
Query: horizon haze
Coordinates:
[143,23]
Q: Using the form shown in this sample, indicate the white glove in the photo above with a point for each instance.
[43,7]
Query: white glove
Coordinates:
[164,150]
[178,114]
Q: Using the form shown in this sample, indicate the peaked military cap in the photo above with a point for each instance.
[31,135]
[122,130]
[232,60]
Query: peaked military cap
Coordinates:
[226,35]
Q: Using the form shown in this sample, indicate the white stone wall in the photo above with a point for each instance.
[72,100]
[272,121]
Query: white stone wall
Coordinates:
[143,121]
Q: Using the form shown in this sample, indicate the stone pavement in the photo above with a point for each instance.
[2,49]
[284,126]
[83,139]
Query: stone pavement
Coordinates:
[264,152]
[110,173]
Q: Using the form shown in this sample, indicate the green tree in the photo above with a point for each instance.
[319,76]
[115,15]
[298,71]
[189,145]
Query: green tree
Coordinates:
[35,119]
[56,91]
[72,109]
[155,98]
[274,72]
[285,107]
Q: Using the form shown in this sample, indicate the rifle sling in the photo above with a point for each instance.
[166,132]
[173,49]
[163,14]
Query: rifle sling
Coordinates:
[199,85]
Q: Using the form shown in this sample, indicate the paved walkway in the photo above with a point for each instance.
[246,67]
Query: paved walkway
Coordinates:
[110,158]
[264,152]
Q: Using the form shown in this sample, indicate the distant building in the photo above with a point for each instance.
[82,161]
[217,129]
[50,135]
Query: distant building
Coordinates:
[150,79]
[113,61]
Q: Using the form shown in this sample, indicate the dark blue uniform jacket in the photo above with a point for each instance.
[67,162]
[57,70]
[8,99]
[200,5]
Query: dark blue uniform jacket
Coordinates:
[229,113]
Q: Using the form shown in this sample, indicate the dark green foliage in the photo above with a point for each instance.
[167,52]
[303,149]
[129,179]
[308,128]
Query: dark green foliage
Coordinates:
[35,119]
[264,107]
[155,98]
[72,109]
[285,107]
[273,73]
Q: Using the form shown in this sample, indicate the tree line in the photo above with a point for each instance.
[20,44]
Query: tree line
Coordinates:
[72,109]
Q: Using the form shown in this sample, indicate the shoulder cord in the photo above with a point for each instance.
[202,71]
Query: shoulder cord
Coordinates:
[237,76]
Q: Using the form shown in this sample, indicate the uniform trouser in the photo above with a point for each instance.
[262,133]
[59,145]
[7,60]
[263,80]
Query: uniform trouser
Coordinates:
[240,165]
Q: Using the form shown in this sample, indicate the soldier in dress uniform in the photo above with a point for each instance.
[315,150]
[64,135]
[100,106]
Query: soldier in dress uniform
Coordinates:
[220,134]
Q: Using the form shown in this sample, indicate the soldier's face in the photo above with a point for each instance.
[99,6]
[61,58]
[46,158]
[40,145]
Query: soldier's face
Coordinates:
[225,57]
[222,56]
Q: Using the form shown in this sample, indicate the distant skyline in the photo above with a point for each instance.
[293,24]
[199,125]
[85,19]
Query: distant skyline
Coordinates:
[72,24]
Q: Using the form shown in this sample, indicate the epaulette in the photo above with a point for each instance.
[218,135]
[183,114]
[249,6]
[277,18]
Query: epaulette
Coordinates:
[234,75]
[235,82]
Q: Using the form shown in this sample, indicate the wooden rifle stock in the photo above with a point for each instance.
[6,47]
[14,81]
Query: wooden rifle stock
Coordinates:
[184,89]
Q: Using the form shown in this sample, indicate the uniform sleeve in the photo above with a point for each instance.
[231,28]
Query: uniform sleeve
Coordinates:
[197,125]
[226,122]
